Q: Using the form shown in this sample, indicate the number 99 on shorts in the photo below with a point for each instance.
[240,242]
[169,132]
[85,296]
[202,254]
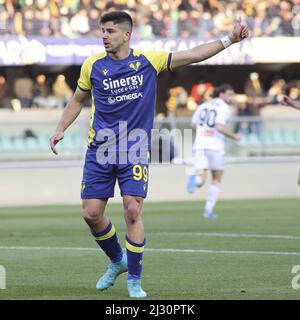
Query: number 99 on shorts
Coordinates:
[140,172]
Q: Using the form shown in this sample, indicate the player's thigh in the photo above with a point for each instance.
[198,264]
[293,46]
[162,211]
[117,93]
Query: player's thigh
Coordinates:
[133,179]
[216,160]
[201,162]
[217,175]
[216,164]
[98,180]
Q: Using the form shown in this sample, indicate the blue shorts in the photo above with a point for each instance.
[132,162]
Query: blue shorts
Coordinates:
[99,179]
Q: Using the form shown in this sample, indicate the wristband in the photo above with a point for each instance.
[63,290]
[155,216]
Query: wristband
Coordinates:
[226,42]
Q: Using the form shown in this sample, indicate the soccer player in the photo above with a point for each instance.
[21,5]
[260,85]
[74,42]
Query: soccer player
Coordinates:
[122,83]
[209,120]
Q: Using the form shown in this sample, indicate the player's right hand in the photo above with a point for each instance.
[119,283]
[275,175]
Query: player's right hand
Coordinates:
[54,140]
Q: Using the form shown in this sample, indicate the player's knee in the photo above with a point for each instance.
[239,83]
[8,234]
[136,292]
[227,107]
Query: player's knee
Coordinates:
[200,178]
[216,182]
[199,181]
[132,212]
[90,215]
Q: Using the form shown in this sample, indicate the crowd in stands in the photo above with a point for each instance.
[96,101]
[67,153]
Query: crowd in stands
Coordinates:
[152,18]
[255,96]
[28,93]
[249,103]
[42,92]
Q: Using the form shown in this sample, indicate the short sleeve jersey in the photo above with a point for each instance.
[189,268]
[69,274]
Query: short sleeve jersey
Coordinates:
[122,90]
[208,114]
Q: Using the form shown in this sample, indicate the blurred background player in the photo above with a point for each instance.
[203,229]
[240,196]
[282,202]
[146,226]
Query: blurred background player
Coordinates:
[209,120]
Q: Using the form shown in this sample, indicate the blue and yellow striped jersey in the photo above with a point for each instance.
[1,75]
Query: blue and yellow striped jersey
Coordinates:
[122,90]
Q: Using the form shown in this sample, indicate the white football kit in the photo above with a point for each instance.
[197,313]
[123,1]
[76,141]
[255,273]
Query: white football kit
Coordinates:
[209,147]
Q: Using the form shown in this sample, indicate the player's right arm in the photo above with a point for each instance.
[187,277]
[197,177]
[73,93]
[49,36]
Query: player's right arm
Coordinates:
[221,128]
[290,102]
[70,113]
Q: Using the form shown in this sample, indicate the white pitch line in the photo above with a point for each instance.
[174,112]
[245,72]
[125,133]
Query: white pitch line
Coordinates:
[170,250]
[227,251]
[229,235]
[48,248]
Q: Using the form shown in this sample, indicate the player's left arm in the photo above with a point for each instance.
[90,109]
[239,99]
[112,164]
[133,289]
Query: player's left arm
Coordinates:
[221,128]
[204,51]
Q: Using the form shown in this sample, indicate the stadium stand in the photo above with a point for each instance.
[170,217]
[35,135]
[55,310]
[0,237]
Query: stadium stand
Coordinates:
[178,19]
[184,18]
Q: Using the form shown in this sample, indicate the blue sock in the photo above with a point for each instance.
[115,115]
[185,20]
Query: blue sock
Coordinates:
[108,242]
[134,257]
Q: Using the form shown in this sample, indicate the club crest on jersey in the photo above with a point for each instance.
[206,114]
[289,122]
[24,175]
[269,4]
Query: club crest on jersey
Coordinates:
[105,72]
[134,65]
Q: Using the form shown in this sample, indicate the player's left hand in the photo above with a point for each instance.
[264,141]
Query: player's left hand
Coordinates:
[240,31]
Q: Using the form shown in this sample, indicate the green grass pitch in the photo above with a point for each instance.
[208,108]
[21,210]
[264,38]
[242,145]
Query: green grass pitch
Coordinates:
[247,253]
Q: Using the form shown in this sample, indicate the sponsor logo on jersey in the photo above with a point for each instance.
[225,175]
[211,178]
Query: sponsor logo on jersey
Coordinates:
[207,133]
[129,82]
[111,100]
[125,97]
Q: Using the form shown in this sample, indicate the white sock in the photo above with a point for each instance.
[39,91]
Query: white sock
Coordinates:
[212,197]
[198,181]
